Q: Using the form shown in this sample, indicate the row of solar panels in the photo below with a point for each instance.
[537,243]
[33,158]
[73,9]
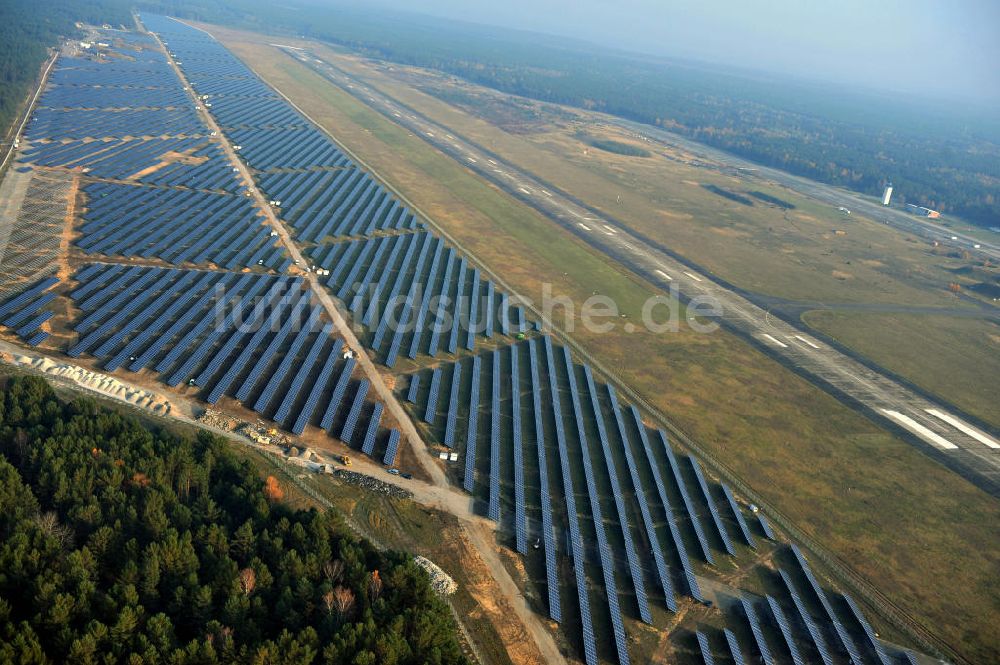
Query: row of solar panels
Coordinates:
[588,408]
[59,124]
[76,96]
[254,337]
[178,226]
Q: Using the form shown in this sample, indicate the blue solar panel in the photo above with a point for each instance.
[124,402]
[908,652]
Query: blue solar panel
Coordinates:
[493,511]
[347,431]
[520,520]
[368,443]
[278,376]
[430,410]
[738,516]
[411,392]
[758,633]
[452,417]
[284,413]
[391,447]
[713,511]
[734,647]
[263,362]
[765,527]
[25,296]
[873,641]
[472,431]
[704,648]
[785,629]
[545,499]
[333,406]
[29,309]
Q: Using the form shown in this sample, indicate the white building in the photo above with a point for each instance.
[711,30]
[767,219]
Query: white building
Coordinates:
[886,195]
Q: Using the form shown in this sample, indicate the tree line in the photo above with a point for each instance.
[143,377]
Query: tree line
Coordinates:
[938,154]
[122,542]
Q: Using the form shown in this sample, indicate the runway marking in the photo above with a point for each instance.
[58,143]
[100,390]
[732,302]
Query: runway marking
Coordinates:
[694,277]
[772,339]
[583,226]
[611,231]
[397,115]
[664,275]
[803,339]
[449,136]
[429,134]
[524,190]
[492,162]
[546,193]
[471,160]
[962,426]
[918,429]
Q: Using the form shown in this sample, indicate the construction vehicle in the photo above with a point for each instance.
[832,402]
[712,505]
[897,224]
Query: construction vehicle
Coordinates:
[345,460]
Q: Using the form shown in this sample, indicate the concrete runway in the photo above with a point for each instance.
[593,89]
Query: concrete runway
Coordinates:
[933,427]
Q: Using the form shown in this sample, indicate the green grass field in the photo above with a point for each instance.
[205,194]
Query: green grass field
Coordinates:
[930,351]
[830,470]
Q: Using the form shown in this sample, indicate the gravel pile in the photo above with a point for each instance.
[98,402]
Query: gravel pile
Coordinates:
[441,582]
[372,484]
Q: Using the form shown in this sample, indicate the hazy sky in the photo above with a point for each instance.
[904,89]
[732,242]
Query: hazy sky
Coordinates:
[940,47]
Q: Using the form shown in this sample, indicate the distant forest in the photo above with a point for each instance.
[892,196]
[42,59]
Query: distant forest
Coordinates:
[28,28]
[939,154]
[122,543]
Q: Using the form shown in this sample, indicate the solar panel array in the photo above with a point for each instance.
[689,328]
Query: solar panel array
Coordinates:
[177,226]
[322,193]
[390,283]
[568,410]
[125,115]
[417,288]
[203,328]
[24,312]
